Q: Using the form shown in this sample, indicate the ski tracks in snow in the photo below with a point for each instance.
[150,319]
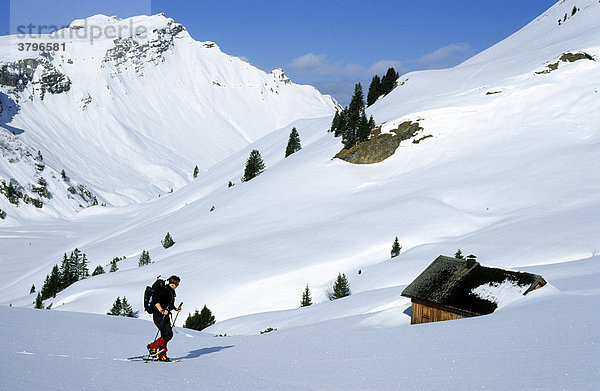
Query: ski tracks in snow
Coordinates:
[26,353]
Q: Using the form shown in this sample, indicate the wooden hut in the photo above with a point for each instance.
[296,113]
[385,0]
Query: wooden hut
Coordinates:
[449,289]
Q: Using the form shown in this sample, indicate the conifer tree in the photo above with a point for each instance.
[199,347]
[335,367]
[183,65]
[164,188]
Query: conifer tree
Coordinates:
[363,131]
[355,125]
[73,268]
[79,263]
[388,82]
[116,308]
[55,280]
[167,241]
[459,254]
[254,166]
[144,259]
[39,304]
[113,265]
[335,123]
[45,292]
[126,309]
[396,247]
[293,144]
[196,172]
[374,90]
[52,284]
[371,123]
[98,270]
[200,320]
[306,299]
[32,290]
[340,122]
[341,288]
[68,274]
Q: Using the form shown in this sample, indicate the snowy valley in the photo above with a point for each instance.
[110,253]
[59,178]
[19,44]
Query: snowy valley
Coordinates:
[505,167]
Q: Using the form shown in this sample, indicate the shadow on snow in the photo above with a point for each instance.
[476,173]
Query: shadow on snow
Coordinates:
[202,352]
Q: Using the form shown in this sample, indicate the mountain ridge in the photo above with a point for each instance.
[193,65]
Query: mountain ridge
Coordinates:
[132,116]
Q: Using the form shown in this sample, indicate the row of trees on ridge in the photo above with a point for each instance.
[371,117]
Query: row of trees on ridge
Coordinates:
[382,86]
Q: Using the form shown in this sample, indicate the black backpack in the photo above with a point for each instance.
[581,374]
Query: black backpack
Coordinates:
[151,293]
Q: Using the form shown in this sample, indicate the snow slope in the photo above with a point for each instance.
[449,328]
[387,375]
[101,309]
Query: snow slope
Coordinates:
[547,342]
[510,176]
[144,108]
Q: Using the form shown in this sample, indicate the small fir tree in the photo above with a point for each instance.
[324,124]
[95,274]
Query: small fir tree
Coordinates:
[68,275]
[363,131]
[52,284]
[388,81]
[396,247]
[63,175]
[80,263]
[122,308]
[371,123]
[126,309]
[352,122]
[459,254]
[306,299]
[116,308]
[335,123]
[254,166]
[341,288]
[144,259]
[98,270]
[196,172]
[374,90]
[200,320]
[293,145]
[39,303]
[32,290]
[46,290]
[339,123]
[167,241]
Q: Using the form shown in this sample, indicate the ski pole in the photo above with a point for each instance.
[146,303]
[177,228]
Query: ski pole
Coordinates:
[178,311]
[161,325]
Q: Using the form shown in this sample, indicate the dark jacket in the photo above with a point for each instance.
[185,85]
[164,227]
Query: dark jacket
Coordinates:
[166,299]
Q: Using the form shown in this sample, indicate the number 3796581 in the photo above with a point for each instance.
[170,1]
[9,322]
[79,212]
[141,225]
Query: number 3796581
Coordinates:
[41,47]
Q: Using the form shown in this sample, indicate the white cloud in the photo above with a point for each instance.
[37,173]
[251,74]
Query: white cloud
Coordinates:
[309,60]
[447,56]
[321,65]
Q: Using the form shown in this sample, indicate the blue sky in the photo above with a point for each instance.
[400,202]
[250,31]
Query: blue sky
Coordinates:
[330,44]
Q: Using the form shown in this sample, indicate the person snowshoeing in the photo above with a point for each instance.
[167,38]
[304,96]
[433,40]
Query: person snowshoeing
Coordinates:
[161,312]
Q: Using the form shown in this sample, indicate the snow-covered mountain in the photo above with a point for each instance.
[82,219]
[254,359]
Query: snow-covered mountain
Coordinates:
[509,173]
[133,110]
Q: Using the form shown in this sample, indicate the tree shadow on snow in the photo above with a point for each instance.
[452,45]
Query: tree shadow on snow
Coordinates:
[203,352]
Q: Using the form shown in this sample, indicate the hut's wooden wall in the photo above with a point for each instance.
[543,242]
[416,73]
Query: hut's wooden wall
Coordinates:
[423,313]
